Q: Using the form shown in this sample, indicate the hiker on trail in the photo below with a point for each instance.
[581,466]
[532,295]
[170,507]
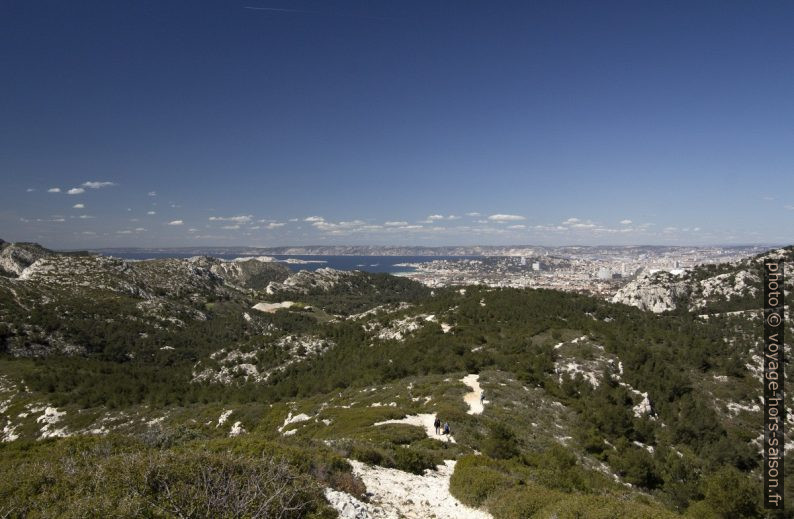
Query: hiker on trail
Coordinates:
[437,424]
[446,428]
[482,396]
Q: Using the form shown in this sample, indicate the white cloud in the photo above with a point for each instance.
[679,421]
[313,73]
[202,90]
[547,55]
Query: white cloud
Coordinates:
[505,218]
[314,219]
[192,230]
[517,227]
[85,217]
[151,212]
[235,219]
[93,184]
[152,193]
[439,217]
[59,219]
[30,190]
[54,190]
[76,191]
[294,220]
[395,224]
[124,232]
[78,206]
[231,227]
[275,225]
[175,222]
[140,229]
[576,223]
[473,214]
[626,222]
[346,227]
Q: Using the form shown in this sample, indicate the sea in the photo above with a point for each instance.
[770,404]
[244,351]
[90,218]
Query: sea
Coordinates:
[387,264]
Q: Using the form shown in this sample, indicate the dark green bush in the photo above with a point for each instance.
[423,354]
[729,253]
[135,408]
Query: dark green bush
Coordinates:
[501,442]
[414,460]
[476,478]
[521,502]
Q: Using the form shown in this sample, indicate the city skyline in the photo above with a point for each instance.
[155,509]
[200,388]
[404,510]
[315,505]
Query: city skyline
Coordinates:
[303,123]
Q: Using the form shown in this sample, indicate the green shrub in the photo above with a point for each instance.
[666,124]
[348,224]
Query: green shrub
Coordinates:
[731,494]
[578,506]
[501,442]
[415,461]
[95,483]
[400,434]
[702,510]
[476,478]
[367,454]
[559,469]
[522,501]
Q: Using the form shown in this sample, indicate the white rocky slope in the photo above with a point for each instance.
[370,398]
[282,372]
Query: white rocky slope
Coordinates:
[662,291]
[658,292]
[16,257]
[305,281]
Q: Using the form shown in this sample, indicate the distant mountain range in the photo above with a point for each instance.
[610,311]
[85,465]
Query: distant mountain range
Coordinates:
[395,250]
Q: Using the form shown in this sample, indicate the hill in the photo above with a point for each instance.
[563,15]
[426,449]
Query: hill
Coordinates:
[156,387]
[706,289]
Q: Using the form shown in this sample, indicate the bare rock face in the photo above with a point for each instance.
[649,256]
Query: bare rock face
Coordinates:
[704,287]
[250,273]
[304,281]
[16,257]
[657,292]
[727,286]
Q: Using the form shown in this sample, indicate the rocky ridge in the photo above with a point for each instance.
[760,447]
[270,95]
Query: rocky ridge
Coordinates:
[16,257]
[702,287]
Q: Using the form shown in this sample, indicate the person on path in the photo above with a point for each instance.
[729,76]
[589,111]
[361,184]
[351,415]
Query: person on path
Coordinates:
[437,425]
[446,428]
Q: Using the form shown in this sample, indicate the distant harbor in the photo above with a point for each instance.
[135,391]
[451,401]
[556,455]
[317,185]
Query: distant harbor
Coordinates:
[385,264]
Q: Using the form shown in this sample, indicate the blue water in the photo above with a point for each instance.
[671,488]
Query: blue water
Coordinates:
[386,264]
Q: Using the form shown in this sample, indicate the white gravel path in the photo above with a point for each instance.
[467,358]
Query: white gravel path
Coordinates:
[398,494]
[422,420]
[473,398]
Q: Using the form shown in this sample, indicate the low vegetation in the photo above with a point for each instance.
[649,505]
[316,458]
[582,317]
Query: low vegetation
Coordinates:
[593,409]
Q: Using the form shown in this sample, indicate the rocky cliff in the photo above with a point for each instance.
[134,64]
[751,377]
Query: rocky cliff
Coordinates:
[16,257]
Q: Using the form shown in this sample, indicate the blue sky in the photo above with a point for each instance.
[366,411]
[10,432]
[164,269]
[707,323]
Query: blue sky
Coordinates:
[282,122]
